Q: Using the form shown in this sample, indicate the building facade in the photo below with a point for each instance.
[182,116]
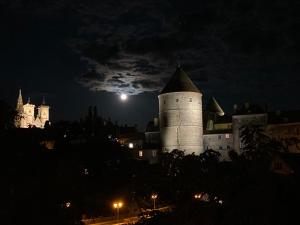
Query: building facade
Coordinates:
[183,125]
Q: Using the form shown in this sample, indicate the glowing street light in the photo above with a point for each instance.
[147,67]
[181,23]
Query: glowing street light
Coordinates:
[154,197]
[197,196]
[117,206]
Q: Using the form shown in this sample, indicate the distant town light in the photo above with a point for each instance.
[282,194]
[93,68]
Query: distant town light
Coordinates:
[197,196]
[140,153]
[68,204]
[130,145]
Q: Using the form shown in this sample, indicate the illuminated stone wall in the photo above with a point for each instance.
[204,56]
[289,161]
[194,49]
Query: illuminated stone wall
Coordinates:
[28,115]
[43,114]
[220,142]
[180,118]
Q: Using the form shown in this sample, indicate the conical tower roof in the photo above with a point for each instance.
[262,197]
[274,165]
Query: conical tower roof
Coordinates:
[180,82]
[20,102]
[214,107]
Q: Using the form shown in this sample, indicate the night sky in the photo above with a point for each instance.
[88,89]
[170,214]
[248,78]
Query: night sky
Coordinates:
[78,53]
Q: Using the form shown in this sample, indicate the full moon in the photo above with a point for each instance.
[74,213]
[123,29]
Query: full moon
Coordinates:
[123,97]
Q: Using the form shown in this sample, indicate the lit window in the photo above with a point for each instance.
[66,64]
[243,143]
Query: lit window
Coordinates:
[68,204]
[227,136]
[130,145]
[140,153]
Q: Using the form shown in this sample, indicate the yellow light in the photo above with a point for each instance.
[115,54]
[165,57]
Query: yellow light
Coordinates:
[154,196]
[118,205]
[197,196]
[130,145]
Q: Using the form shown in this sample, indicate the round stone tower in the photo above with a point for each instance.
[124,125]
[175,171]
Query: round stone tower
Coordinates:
[180,115]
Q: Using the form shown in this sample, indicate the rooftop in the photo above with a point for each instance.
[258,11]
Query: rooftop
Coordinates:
[180,82]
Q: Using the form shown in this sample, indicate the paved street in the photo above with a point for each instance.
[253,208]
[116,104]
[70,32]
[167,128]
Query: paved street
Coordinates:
[122,220]
[128,220]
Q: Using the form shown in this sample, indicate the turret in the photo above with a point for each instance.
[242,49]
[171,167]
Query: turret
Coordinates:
[29,113]
[18,121]
[19,107]
[180,115]
[43,114]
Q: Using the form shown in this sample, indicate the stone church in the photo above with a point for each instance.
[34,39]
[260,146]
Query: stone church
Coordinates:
[27,116]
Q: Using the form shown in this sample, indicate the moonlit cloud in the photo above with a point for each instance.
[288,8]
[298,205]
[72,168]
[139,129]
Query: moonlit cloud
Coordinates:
[133,46]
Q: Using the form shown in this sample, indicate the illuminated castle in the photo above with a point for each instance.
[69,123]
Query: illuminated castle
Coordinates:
[180,115]
[184,123]
[26,117]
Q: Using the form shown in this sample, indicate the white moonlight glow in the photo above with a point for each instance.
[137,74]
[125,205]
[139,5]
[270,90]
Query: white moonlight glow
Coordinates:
[123,97]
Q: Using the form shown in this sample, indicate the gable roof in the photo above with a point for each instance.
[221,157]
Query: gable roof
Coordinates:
[180,82]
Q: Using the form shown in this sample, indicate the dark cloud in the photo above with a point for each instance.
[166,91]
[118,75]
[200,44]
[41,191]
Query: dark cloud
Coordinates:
[133,46]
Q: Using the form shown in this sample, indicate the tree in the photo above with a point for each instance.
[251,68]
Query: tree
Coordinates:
[257,145]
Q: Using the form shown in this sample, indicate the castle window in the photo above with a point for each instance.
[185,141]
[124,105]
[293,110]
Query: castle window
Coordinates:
[228,147]
[220,148]
[164,102]
[191,99]
[177,100]
[140,153]
[227,136]
[219,137]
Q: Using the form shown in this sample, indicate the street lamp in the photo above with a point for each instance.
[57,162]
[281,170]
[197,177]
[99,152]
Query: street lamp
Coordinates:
[154,197]
[117,206]
[197,196]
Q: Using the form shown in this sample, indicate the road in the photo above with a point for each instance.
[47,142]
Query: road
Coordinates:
[128,220]
[124,220]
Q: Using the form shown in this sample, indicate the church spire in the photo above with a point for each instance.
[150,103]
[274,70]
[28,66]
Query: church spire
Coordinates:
[43,101]
[20,102]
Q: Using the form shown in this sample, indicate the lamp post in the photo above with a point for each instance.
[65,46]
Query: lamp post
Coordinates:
[154,197]
[198,196]
[117,206]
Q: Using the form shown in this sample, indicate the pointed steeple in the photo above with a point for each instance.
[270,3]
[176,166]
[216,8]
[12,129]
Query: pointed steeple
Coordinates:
[214,107]
[19,107]
[28,101]
[180,82]
[43,101]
